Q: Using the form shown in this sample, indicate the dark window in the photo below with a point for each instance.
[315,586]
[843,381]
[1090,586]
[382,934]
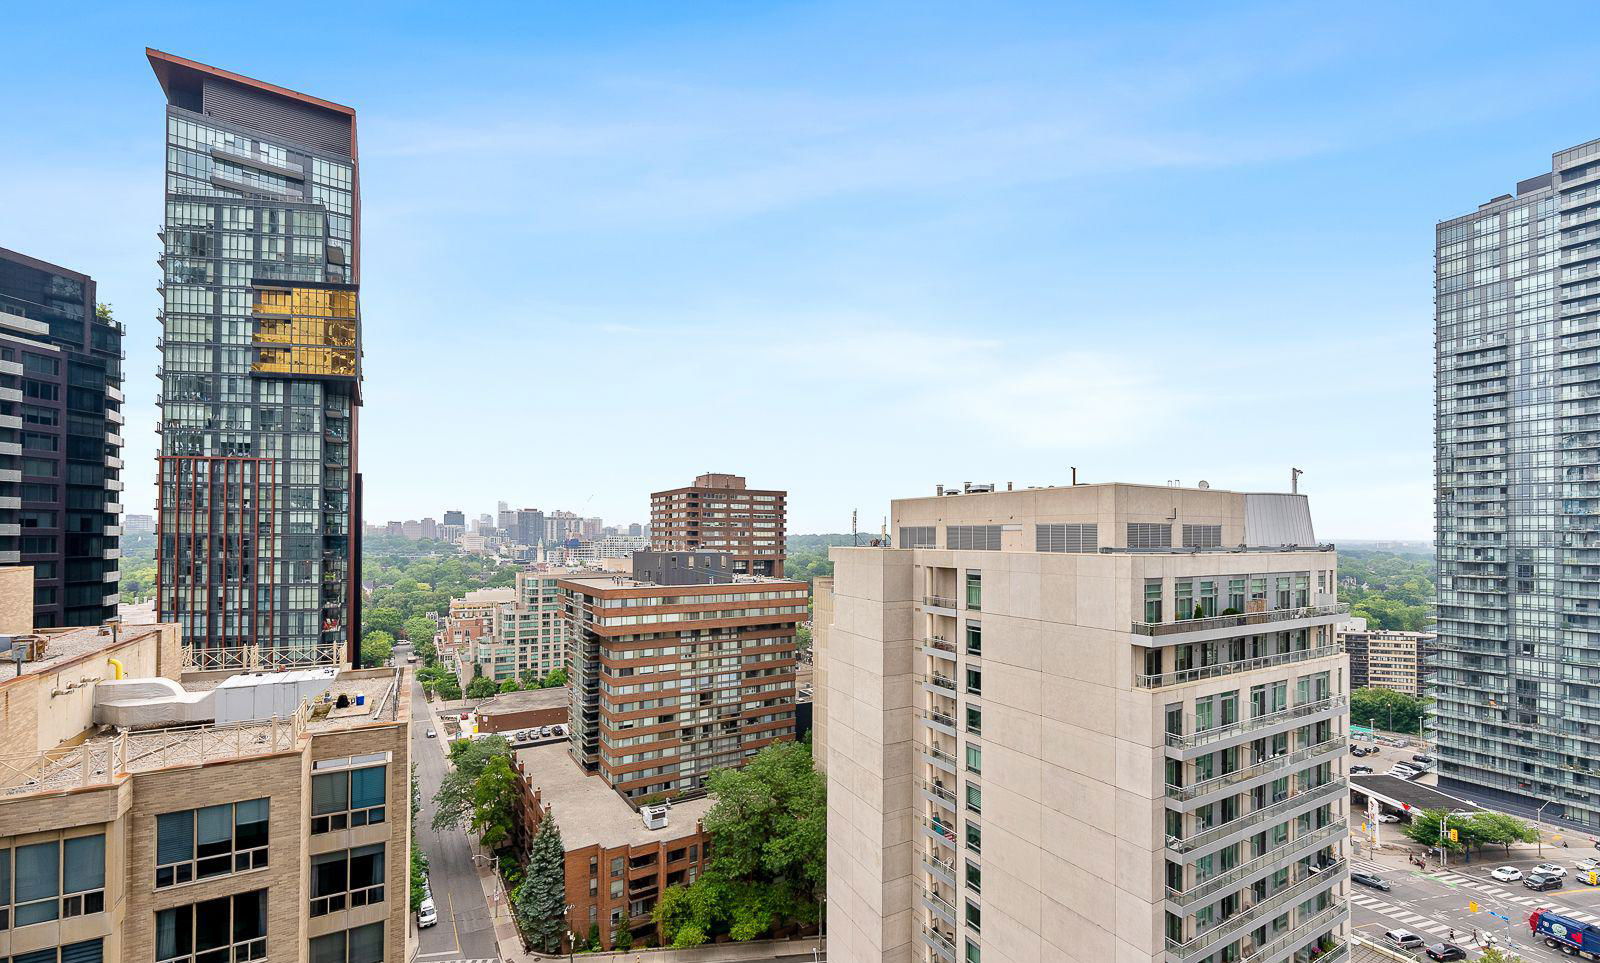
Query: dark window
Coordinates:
[214,841]
[35,415]
[39,365]
[39,467]
[351,797]
[40,390]
[230,929]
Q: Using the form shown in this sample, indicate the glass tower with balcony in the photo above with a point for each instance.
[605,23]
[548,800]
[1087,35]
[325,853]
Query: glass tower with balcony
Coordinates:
[1517,686]
[60,440]
[259,512]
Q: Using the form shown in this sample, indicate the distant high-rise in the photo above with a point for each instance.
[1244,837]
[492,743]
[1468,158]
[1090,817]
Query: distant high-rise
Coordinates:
[530,526]
[455,518]
[1518,494]
[719,514]
[261,376]
[635,529]
[60,440]
[428,528]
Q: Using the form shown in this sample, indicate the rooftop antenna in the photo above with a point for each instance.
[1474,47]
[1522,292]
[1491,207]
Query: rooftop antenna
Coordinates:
[1074,474]
[1294,480]
[854,538]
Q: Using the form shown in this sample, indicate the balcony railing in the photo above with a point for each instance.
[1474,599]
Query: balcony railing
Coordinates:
[940,791]
[1234,925]
[943,645]
[937,865]
[1216,733]
[943,682]
[1336,744]
[943,904]
[942,718]
[1326,919]
[1267,860]
[943,940]
[1243,620]
[941,829]
[1229,668]
[1331,789]
[939,601]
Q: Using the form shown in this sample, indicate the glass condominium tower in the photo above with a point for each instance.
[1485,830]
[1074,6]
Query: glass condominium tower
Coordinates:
[1517,686]
[259,495]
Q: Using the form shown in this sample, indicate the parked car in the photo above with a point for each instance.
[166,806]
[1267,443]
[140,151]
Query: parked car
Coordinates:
[1405,939]
[544,732]
[1358,770]
[1540,882]
[1388,818]
[432,734]
[1587,865]
[561,730]
[1404,773]
[427,915]
[1506,874]
[1445,952]
[1424,759]
[1368,879]
[1357,751]
[1550,869]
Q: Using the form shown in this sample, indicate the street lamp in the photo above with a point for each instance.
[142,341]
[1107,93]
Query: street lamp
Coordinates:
[1444,835]
[1538,824]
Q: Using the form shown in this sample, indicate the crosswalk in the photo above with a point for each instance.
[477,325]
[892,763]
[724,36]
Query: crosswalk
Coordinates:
[1524,898]
[1417,921]
[1414,921]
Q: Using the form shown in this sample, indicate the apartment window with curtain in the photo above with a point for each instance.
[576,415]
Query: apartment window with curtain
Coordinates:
[214,841]
[228,929]
[348,798]
[974,797]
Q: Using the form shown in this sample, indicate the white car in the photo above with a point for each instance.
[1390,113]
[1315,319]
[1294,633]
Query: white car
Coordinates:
[1551,869]
[1388,818]
[426,914]
[1507,874]
[1587,865]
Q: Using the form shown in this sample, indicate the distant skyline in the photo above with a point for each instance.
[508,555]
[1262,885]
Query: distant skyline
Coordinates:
[848,250]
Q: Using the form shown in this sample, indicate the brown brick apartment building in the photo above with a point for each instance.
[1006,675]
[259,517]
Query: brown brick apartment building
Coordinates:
[719,514]
[135,827]
[681,669]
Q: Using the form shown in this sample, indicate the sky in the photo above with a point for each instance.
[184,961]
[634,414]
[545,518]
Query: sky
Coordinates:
[851,250]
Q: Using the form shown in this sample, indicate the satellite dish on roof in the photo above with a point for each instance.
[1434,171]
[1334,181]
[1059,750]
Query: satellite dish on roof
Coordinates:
[1204,484]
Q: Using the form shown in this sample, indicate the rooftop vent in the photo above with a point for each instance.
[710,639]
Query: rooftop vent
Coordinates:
[655,817]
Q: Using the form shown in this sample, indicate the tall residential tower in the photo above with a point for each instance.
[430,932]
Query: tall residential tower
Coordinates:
[260,499]
[719,514]
[1518,494]
[60,440]
[1091,723]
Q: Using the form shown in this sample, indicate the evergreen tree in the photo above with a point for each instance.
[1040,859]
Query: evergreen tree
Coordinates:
[540,902]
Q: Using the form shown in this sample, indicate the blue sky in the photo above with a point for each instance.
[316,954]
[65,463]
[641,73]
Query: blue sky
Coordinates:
[847,249]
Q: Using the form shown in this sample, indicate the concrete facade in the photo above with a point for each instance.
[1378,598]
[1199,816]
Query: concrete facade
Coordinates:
[1043,744]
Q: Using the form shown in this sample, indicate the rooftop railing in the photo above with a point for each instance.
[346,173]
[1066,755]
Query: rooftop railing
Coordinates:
[252,658]
[1229,668]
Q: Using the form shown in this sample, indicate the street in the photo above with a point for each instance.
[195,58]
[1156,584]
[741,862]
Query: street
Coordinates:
[1433,902]
[465,930]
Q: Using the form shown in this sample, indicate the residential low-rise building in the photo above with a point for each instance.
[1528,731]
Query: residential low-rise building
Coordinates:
[1388,658]
[527,637]
[152,811]
[617,865]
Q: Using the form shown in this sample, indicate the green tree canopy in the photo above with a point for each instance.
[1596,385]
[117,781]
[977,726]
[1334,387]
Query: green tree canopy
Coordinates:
[381,620]
[419,629]
[494,802]
[453,801]
[1387,709]
[768,852]
[481,688]
[540,902]
[376,647]
[557,677]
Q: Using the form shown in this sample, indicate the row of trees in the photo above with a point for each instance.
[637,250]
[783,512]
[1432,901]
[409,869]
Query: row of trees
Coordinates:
[1476,831]
[482,687]
[1390,590]
[1388,709]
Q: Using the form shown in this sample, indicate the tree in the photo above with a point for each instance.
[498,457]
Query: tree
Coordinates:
[509,685]
[1495,954]
[1387,709]
[1501,829]
[481,688]
[540,902]
[622,935]
[557,677]
[376,647]
[768,845]
[802,638]
[448,688]
[530,679]
[494,802]
[381,620]
[419,629]
[453,800]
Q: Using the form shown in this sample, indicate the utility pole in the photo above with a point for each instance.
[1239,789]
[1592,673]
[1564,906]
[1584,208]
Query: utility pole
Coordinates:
[855,539]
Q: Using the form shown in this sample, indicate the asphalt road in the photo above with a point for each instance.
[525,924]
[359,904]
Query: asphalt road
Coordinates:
[1432,903]
[464,931]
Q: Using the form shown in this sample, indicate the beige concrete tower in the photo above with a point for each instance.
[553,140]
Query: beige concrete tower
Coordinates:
[1091,723]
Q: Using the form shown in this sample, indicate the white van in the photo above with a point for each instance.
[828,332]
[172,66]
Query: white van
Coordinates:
[426,914]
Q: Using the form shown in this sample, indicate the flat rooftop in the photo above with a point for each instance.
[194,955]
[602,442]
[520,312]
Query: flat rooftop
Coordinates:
[65,645]
[556,697]
[619,581]
[591,812]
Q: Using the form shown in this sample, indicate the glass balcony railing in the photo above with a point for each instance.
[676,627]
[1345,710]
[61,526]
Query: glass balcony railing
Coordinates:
[1327,919]
[1267,765]
[1331,789]
[1222,669]
[1272,858]
[1217,733]
[1233,926]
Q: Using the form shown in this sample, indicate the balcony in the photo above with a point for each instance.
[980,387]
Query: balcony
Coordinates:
[938,793]
[1235,925]
[942,868]
[942,682]
[10,448]
[11,368]
[10,421]
[936,601]
[939,721]
[940,758]
[939,905]
[1223,626]
[1266,766]
[10,558]
[11,529]
[1229,668]
[1308,929]
[1217,733]
[942,943]
[941,648]
[1332,789]
[1270,861]
[10,501]
[941,831]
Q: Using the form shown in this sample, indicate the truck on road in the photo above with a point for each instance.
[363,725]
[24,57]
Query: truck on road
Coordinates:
[1571,936]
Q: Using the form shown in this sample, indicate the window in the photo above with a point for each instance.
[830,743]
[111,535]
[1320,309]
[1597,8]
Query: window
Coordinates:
[83,875]
[1066,538]
[1147,535]
[974,681]
[364,944]
[1152,600]
[1202,536]
[972,952]
[229,929]
[215,841]
[346,879]
[89,951]
[918,536]
[974,590]
[974,837]
[974,916]
[982,538]
[974,638]
[974,877]
[974,759]
[974,797]
[351,797]
[975,719]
